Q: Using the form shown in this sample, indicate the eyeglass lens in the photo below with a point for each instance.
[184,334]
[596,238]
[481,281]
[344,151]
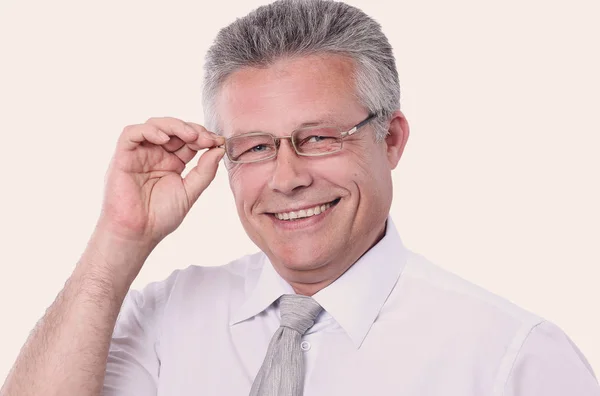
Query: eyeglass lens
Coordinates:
[308,141]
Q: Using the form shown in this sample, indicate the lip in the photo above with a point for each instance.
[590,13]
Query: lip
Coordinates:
[305,223]
[310,206]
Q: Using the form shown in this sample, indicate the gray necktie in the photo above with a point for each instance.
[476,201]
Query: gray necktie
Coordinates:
[282,372]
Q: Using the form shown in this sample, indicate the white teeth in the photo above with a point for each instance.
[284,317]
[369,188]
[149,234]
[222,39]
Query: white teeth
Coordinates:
[303,213]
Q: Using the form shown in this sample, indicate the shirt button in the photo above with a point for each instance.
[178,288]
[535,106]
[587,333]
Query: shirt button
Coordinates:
[305,346]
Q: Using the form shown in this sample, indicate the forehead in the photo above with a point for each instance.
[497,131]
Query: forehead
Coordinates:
[288,94]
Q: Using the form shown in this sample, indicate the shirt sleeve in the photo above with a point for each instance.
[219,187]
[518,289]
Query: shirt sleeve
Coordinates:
[550,364]
[133,360]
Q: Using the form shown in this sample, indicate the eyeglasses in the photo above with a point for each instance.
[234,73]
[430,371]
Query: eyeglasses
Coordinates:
[309,142]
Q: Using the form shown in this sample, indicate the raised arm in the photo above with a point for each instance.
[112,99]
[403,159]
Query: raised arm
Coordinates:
[146,198]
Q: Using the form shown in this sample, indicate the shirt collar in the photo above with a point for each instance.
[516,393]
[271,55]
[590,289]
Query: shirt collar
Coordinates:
[262,292]
[354,300]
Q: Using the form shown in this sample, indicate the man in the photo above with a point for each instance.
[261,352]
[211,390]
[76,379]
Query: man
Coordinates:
[304,100]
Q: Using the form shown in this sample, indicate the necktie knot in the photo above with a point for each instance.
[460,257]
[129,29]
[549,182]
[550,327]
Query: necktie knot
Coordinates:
[298,312]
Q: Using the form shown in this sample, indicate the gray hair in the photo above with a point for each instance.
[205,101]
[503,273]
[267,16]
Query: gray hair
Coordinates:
[291,28]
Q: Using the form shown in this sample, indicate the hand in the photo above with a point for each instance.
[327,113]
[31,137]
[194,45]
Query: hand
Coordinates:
[146,198]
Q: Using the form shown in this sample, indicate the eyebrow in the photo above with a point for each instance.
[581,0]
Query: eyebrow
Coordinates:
[325,119]
[321,121]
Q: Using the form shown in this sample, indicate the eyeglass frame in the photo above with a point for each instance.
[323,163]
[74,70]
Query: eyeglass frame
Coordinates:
[277,140]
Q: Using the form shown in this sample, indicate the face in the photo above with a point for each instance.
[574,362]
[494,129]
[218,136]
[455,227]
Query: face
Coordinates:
[353,186]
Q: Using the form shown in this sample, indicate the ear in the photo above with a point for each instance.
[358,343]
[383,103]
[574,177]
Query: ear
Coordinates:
[396,138]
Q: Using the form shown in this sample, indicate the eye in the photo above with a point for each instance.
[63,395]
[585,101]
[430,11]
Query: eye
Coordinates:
[315,139]
[250,147]
[258,148]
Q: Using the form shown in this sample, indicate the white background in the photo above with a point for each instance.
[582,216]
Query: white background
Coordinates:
[499,181]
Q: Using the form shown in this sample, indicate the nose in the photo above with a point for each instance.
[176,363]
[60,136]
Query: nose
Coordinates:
[290,173]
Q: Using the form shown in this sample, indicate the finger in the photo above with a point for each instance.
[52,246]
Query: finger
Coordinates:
[134,135]
[185,153]
[196,181]
[174,127]
[173,144]
[206,139]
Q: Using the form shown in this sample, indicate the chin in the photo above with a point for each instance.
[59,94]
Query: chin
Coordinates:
[299,259]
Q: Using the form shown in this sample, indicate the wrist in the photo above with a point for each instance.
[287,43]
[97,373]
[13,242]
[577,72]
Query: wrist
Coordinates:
[115,259]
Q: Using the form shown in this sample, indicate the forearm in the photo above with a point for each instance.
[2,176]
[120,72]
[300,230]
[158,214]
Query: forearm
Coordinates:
[66,352]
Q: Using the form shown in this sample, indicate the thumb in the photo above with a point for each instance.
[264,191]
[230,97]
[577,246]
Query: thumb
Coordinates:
[196,181]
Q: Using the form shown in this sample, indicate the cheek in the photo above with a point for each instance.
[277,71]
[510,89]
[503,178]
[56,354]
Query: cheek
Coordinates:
[245,186]
[346,173]
[236,183]
[365,171]
[357,168]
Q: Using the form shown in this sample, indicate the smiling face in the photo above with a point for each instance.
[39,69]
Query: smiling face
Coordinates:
[336,205]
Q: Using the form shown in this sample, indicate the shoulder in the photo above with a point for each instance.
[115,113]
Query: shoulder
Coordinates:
[217,278]
[228,275]
[195,283]
[459,296]
[548,362]
[516,342]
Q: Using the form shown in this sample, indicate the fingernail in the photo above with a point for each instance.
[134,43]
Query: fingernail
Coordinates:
[215,137]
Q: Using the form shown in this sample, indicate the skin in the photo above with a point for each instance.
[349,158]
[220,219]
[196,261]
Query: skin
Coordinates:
[146,199]
[279,99]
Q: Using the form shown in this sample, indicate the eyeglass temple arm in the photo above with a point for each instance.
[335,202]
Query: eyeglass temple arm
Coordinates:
[360,124]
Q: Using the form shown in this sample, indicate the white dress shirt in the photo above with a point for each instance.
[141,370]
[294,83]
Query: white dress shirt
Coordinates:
[393,324]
